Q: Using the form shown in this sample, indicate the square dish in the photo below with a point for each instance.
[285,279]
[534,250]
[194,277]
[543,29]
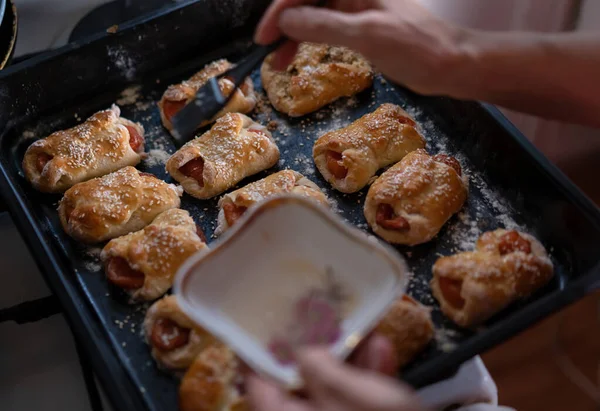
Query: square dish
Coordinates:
[246,296]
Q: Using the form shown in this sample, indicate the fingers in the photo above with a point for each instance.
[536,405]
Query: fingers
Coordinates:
[268,30]
[285,56]
[264,396]
[339,386]
[320,25]
[376,354]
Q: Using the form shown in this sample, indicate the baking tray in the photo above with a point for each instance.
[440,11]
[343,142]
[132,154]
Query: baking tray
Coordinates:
[512,185]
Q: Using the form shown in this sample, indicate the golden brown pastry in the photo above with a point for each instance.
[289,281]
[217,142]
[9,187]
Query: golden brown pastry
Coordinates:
[114,205]
[319,75]
[506,266]
[235,148]
[178,95]
[409,327]
[104,143]
[349,158]
[234,205]
[174,339]
[213,382]
[144,263]
[410,202]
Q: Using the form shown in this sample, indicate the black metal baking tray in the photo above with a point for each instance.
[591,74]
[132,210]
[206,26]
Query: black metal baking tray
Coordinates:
[512,184]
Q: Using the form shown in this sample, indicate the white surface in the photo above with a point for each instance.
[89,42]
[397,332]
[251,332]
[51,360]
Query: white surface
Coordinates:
[472,384]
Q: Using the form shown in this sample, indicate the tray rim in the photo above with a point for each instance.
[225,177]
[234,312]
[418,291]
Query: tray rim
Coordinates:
[106,362]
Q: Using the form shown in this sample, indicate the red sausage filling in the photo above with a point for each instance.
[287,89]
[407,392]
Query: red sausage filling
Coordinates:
[407,120]
[512,242]
[451,291]
[335,164]
[42,160]
[136,141]
[120,273]
[387,219]
[194,169]
[200,233]
[170,108]
[449,161]
[167,335]
[233,213]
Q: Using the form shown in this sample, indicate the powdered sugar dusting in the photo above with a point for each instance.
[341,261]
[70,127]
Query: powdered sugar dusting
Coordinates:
[93,263]
[122,61]
[130,95]
[304,165]
[157,157]
[444,339]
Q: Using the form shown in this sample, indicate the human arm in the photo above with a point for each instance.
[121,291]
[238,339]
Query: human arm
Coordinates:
[551,75]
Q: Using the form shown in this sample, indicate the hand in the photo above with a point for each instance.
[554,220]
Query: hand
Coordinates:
[333,386]
[406,42]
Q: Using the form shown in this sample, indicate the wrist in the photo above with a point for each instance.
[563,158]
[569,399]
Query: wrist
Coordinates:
[461,65]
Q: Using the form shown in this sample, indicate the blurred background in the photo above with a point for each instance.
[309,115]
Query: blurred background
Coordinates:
[532,371]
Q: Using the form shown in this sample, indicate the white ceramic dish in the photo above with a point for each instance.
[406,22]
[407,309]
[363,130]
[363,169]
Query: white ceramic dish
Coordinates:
[244,289]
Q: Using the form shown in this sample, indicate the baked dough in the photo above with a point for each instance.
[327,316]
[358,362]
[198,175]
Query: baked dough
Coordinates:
[144,263]
[319,75]
[349,158]
[409,328]
[213,383]
[178,95]
[104,143]
[235,148]
[506,266]
[411,202]
[114,205]
[174,339]
[234,205]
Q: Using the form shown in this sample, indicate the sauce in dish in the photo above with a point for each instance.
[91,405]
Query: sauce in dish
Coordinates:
[309,309]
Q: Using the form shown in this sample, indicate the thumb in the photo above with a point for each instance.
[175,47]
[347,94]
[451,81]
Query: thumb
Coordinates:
[318,25]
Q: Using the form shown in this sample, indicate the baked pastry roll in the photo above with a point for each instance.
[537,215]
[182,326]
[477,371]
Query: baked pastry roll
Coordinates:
[213,382]
[178,95]
[410,202]
[319,75]
[114,205]
[174,339]
[104,143]
[234,205]
[349,158]
[506,266]
[409,328]
[235,148]
[144,263]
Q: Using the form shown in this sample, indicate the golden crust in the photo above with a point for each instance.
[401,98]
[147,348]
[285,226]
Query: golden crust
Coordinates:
[98,146]
[179,358]
[210,383]
[235,148]
[409,327]
[157,251]
[114,205]
[489,280]
[283,182]
[319,75]
[243,100]
[372,142]
[425,192]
